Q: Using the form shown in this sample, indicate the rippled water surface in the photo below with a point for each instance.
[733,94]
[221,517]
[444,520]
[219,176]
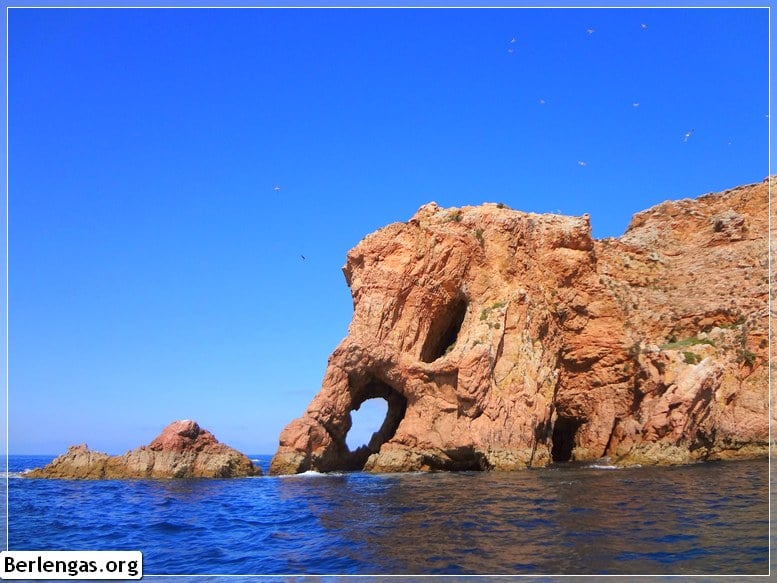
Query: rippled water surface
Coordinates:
[701,519]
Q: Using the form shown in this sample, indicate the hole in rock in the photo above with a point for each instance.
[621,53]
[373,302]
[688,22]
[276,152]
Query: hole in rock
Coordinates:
[365,421]
[564,431]
[375,418]
[444,331]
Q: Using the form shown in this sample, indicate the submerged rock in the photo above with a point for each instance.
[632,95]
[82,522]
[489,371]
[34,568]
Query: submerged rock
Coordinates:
[182,450]
[502,340]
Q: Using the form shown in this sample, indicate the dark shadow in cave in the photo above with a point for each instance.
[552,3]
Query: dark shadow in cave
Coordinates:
[444,331]
[564,430]
[395,412]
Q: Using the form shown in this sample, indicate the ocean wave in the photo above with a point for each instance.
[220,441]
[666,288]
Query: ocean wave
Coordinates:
[312,474]
[13,474]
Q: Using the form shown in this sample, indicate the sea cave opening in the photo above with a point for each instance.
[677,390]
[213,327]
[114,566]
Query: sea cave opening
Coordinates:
[375,418]
[444,332]
[564,431]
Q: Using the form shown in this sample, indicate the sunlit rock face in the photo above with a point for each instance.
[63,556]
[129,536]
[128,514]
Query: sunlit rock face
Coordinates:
[503,340]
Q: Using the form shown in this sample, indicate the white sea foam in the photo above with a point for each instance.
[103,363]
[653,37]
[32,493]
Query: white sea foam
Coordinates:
[308,474]
[312,474]
[603,467]
[13,474]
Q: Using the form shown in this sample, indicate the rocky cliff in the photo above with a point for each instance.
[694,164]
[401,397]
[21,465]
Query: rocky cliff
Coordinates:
[182,450]
[503,340]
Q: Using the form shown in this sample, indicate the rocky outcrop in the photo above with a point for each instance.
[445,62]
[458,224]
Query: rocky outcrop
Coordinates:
[503,340]
[182,450]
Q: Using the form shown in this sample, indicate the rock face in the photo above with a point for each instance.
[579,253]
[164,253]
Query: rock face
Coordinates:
[182,450]
[503,340]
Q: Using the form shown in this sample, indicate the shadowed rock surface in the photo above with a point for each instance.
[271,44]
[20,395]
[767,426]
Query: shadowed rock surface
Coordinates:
[182,450]
[502,340]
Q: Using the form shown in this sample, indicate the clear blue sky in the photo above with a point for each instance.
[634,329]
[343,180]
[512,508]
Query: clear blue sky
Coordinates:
[154,272]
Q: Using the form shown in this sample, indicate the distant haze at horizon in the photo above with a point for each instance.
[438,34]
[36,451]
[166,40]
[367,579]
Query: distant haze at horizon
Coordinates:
[155,271]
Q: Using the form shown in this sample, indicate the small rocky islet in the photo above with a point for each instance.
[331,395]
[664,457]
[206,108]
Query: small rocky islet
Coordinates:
[182,450]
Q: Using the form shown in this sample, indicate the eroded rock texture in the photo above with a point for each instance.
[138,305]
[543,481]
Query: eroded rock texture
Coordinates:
[502,340]
[182,450]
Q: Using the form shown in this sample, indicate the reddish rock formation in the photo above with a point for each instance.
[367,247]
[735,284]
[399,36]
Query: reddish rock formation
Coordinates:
[182,450]
[502,340]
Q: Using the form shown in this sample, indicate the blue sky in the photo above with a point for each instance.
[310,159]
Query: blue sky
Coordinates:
[155,274]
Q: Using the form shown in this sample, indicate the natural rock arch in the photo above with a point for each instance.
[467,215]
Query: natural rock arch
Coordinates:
[508,340]
[396,405]
[365,421]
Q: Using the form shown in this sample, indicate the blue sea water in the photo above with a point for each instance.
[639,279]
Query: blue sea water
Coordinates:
[568,519]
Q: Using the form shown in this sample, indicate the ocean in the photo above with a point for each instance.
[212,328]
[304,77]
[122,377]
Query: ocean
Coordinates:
[707,518]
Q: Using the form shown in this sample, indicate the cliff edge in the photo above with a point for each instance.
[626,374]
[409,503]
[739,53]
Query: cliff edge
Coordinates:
[503,340]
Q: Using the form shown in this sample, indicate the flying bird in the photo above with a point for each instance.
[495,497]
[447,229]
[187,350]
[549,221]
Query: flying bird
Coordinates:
[687,135]
[581,163]
[277,188]
[542,102]
[303,258]
[513,40]
[635,104]
[510,50]
[644,26]
[590,30]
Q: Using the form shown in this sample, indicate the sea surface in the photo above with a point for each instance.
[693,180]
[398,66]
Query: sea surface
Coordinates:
[568,519]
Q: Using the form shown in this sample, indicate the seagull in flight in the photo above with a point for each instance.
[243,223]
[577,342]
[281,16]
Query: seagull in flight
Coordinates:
[542,102]
[581,163]
[643,26]
[590,30]
[513,40]
[687,135]
[304,258]
[635,104]
[277,188]
[510,50]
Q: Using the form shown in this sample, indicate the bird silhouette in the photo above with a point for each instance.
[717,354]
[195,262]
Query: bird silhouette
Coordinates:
[277,188]
[590,30]
[687,135]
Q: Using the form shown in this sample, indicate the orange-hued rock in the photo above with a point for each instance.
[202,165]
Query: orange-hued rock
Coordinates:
[182,450]
[502,340]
